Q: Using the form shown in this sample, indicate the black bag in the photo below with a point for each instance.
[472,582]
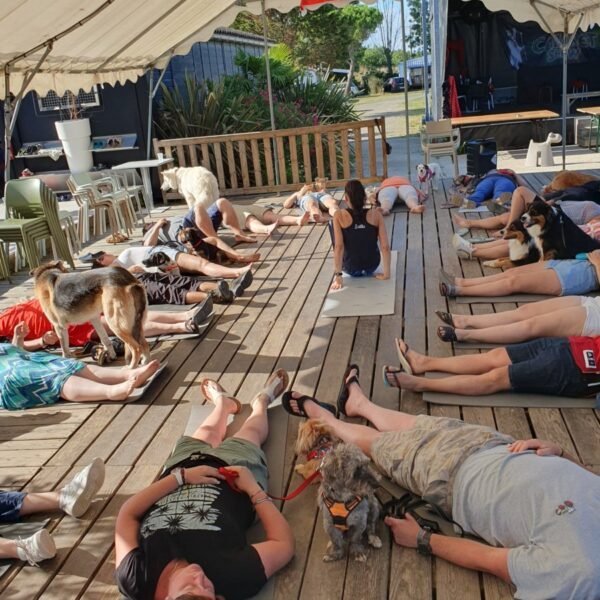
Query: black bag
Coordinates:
[388,146]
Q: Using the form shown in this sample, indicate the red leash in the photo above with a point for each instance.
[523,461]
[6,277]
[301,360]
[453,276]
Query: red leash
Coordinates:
[299,489]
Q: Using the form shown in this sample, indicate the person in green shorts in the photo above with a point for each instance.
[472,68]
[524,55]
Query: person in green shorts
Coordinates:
[185,535]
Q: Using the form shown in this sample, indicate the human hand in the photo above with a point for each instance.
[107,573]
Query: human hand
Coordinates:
[49,338]
[136,269]
[541,447]
[338,283]
[405,530]
[594,257]
[162,222]
[19,334]
[203,474]
[245,481]
[381,276]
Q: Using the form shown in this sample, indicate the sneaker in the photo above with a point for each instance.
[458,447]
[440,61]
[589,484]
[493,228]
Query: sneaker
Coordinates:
[463,248]
[223,293]
[447,289]
[239,284]
[203,311]
[36,548]
[76,496]
[446,277]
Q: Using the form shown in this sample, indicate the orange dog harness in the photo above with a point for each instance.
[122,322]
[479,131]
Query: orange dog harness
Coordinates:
[340,511]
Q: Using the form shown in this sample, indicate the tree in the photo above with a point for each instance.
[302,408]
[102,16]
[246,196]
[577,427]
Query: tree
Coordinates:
[414,38]
[389,30]
[373,59]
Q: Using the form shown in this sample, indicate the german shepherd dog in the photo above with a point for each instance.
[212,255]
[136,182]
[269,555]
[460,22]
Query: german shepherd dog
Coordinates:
[83,296]
[522,248]
[556,236]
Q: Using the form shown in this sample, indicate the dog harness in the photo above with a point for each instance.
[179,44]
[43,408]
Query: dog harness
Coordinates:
[340,511]
[428,175]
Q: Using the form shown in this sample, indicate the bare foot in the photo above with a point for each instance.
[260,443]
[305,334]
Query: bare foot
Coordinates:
[247,239]
[141,375]
[121,391]
[304,219]
[460,221]
[356,397]
[215,393]
[241,271]
[418,209]
[269,229]
[248,258]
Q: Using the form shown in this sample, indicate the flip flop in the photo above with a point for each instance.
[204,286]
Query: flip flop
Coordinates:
[275,385]
[446,317]
[300,412]
[345,393]
[402,356]
[387,370]
[220,393]
[447,334]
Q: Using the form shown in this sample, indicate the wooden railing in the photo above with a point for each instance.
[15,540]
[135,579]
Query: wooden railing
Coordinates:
[283,160]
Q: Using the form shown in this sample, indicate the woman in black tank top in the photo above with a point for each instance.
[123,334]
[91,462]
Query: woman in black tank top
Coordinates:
[360,238]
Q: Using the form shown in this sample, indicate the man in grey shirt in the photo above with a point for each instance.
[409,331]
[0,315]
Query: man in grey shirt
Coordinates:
[536,508]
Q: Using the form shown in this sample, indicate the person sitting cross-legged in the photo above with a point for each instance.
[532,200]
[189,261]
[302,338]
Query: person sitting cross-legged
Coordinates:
[530,500]
[184,536]
[73,499]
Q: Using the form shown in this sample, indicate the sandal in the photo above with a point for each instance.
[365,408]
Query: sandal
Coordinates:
[345,393]
[387,370]
[447,289]
[445,317]
[275,385]
[402,355]
[447,334]
[218,392]
[99,354]
[299,411]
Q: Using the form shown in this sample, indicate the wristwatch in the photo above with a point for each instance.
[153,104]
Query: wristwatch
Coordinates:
[179,475]
[423,545]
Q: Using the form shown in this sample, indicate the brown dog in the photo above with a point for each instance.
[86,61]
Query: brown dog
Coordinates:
[83,296]
[314,436]
[567,179]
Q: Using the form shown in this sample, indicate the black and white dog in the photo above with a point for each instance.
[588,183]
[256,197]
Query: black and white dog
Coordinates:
[428,176]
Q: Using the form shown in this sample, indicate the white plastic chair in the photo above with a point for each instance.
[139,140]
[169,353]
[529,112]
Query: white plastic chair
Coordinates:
[439,139]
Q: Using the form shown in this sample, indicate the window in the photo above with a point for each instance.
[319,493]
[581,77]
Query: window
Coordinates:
[52,101]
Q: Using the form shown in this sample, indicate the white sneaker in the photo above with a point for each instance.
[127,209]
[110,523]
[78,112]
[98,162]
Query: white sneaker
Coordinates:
[40,546]
[76,496]
[463,248]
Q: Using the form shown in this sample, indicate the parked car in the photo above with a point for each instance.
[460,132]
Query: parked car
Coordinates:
[354,90]
[394,84]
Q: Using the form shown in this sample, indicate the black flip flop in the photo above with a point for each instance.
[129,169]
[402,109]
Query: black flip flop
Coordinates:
[446,317]
[345,393]
[300,412]
[447,334]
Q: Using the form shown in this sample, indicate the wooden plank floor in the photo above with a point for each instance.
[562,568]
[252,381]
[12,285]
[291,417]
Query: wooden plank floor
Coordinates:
[277,323]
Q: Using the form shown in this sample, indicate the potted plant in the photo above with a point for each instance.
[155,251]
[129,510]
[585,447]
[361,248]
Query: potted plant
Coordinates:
[74,133]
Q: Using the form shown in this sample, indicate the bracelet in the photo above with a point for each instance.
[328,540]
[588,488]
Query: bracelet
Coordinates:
[258,491]
[261,500]
[562,453]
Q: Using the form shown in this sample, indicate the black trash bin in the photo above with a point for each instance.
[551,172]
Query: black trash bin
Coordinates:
[481,156]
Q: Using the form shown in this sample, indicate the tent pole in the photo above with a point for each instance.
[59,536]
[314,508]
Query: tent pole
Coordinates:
[425,57]
[152,89]
[407,134]
[7,132]
[269,88]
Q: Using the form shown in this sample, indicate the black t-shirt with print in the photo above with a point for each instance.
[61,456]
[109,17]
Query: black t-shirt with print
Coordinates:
[202,524]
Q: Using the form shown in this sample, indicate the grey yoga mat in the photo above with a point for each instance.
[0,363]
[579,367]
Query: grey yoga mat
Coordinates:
[494,299]
[507,399]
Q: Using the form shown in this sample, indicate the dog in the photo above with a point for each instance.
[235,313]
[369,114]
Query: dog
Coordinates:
[195,184]
[193,240]
[522,247]
[346,495]
[159,262]
[567,179]
[556,236]
[428,176]
[83,296]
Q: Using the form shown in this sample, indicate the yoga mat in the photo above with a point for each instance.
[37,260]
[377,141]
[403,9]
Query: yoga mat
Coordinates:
[198,414]
[475,209]
[139,392]
[494,299]
[159,209]
[506,399]
[22,529]
[363,296]
[480,240]
[202,329]
[475,345]
[171,307]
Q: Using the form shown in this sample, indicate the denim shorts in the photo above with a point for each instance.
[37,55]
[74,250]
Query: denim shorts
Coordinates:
[216,216]
[10,505]
[576,277]
[317,197]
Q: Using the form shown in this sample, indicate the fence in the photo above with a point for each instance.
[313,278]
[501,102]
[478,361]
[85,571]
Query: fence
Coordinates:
[283,160]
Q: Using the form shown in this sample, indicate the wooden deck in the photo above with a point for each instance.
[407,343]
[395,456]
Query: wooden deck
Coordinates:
[276,324]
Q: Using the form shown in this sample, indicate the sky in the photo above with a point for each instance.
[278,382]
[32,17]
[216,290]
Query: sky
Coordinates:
[390,8]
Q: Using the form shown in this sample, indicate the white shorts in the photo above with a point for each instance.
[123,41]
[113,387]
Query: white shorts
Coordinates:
[591,326]
[406,193]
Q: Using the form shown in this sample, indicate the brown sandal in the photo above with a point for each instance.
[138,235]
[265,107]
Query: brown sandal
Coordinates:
[219,392]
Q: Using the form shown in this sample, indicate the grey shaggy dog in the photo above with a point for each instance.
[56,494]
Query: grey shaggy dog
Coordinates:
[346,475]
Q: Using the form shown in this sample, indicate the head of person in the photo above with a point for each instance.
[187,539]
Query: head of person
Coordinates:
[104,260]
[355,195]
[190,583]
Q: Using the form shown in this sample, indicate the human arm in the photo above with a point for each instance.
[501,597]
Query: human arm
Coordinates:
[338,250]
[543,448]
[151,237]
[128,521]
[291,200]
[594,258]
[278,547]
[384,247]
[19,335]
[459,551]
[49,338]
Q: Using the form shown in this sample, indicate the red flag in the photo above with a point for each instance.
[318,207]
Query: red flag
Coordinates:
[305,3]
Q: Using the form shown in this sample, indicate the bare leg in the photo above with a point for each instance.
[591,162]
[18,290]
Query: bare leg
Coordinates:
[265,226]
[203,221]
[80,389]
[312,206]
[331,203]
[230,221]
[497,222]
[521,199]
[109,376]
[560,323]
[230,252]
[213,429]
[489,250]
[285,220]
[197,264]
[195,297]
[540,282]
[518,315]
[8,548]
[532,268]
[39,502]
[256,427]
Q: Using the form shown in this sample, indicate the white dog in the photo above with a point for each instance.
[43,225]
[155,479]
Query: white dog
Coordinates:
[196,184]
[428,176]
